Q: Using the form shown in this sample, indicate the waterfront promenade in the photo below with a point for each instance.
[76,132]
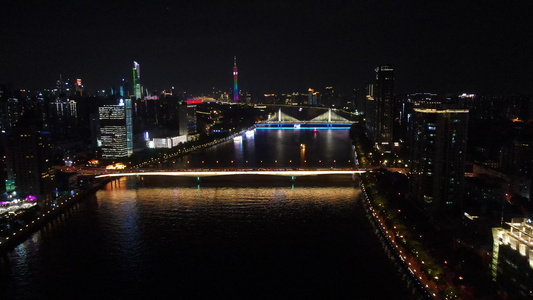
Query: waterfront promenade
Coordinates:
[47,212]
[422,287]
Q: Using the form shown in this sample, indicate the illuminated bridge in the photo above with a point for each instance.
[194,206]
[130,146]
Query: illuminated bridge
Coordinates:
[327,120]
[224,172]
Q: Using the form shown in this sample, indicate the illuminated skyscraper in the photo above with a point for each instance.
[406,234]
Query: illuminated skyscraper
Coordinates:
[235,85]
[384,107]
[63,120]
[29,155]
[512,257]
[370,108]
[116,138]
[438,154]
[136,80]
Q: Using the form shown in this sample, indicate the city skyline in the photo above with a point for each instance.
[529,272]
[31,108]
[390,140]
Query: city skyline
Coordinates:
[282,46]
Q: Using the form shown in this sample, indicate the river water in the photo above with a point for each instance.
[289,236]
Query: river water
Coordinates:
[246,237]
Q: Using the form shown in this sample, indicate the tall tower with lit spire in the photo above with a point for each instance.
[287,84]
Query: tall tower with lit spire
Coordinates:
[235,85]
[136,80]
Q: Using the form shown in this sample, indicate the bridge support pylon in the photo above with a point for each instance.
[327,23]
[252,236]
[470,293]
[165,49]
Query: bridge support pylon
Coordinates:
[138,180]
[356,178]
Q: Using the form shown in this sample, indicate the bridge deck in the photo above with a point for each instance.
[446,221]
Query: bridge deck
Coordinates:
[194,173]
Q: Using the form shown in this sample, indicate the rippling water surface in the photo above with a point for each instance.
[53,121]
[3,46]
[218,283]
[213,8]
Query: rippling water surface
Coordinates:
[247,237]
[159,240]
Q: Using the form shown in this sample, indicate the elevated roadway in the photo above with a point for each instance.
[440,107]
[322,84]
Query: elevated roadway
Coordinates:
[210,173]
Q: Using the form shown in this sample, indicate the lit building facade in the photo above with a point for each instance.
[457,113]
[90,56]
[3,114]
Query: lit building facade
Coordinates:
[190,114]
[165,142]
[29,155]
[3,170]
[10,112]
[79,87]
[438,153]
[173,115]
[383,95]
[328,97]
[312,97]
[116,131]
[183,118]
[512,258]
[136,80]
[63,120]
[370,108]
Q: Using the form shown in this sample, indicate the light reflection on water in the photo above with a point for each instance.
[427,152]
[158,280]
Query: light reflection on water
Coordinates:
[275,149]
[215,241]
[133,217]
[234,237]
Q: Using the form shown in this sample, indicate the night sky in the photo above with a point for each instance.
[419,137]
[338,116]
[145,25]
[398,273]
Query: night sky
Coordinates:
[281,45]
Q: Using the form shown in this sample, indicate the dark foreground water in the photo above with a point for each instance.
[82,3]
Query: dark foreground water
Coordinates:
[227,239]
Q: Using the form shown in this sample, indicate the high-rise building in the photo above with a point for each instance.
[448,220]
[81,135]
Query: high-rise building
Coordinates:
[3,93]
[512,258]
[152,111]
[116,134]
[404,110]
[136,80]
[328,97]
[123,88]
[79,87]
[438,153]
[190,107]
[312,97]
[183,119]
[63,120]
[3,170]
[248,98]
[11,110]
[29,155]
[383,95]
[370,109]
[129,125]
[94,129]
[59,85]
[235,85]
[68,88]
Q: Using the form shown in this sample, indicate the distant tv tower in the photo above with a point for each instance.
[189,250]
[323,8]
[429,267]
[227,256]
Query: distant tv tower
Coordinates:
[235,85]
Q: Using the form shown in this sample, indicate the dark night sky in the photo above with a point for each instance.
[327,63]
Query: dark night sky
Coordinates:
[281,45]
